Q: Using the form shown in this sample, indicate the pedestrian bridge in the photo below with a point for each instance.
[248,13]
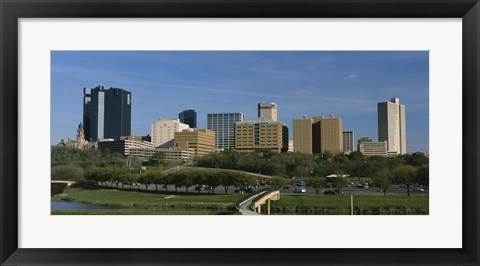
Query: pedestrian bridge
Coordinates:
[66,182]
[251,204]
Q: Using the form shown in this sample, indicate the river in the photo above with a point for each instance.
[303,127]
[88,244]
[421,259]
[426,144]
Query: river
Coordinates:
[78,206]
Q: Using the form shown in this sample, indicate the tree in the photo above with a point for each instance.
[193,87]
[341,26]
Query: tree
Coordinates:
[316,182]
[157,177]
[383,179]
[279,182]
[147,179]
[128,178]
[417,159]
[212,180]
[422,175]
[117,175]
[226,180]
[340,181]
[67,172]
[243,180]
[405,174]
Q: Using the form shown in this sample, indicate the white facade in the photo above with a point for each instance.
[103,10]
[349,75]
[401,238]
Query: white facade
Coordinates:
[391,125]
[373,148]
[163,130]
[268,110]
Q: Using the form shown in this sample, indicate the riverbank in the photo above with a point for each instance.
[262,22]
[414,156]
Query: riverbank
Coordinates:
[147,202]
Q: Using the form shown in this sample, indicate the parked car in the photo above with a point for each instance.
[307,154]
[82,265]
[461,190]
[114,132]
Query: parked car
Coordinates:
[418,189]
[329,192]
[299,190]
[208,188]
[236,191]
[403,186]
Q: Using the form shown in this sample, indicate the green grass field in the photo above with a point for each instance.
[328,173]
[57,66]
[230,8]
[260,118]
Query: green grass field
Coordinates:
[358,201]
[141,198]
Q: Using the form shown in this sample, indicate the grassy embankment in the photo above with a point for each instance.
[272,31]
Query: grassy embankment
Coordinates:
[327,204]
[160,203]
[149,203]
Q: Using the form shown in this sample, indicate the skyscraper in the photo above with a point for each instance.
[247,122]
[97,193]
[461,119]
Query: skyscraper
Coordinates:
[302,134]
[224,126]
[188,117]
[318,134]
[106,113]
[348,140]
[331,135]
[391,125]
[268,110]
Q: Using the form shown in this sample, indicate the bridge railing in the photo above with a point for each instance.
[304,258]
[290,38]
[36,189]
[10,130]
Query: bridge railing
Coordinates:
[269,190]
[249,196]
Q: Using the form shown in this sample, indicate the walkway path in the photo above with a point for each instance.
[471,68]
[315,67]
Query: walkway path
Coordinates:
[245,208]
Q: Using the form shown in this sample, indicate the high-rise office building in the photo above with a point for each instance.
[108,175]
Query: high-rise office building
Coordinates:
[106,113]
[318,134]
[267,110]
[302,134]
[223,124]
[331,135]
[391,125]
[163,130]
[188,117]
[348,138]
[261,134]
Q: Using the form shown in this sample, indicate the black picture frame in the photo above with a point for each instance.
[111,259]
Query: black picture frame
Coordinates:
[12,10]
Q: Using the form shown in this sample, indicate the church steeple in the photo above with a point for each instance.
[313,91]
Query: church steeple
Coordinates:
[80,134]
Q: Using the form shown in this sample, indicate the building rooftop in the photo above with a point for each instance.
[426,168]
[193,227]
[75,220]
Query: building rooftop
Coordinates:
[260,120]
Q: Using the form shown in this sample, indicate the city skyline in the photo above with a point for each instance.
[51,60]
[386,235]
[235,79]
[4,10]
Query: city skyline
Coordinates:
[346,84]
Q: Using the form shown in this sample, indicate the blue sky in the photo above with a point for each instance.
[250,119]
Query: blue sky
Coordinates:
[164,83]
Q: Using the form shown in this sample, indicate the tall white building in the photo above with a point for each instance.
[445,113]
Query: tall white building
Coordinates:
[163,130]
[268,110]
[391,125]
[224,126]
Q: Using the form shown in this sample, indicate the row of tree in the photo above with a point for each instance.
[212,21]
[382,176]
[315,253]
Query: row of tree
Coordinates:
[384,178]
[307,165]
[184,178]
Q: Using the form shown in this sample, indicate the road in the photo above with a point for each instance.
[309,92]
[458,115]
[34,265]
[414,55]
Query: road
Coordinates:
[352,190]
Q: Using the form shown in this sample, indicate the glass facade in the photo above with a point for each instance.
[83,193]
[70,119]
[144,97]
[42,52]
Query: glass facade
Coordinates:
[224,126]
[188,117]
[106,113]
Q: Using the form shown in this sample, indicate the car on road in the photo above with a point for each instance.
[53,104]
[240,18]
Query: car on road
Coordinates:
[299,190]
[418,189]
[329,192]
[360,185]
[403,186]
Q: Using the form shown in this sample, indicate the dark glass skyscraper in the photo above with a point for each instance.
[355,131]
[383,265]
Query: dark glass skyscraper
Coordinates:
[106,113]
[188,117]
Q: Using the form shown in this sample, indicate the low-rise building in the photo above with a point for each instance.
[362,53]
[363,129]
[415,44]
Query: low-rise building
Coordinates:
[202,141]
[177,154]
[373,148]
[140,148]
